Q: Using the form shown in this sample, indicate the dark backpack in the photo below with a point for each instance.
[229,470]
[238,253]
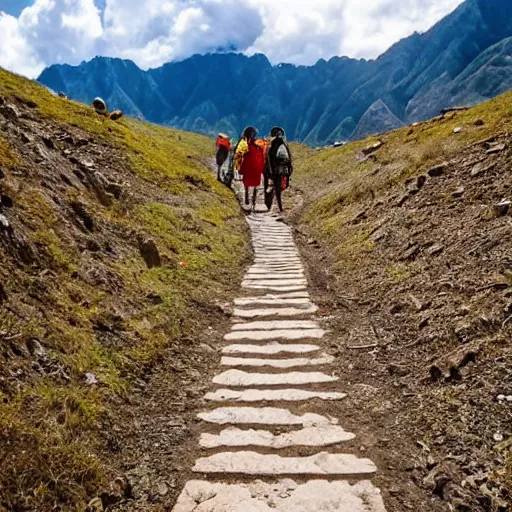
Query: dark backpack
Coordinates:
[280,158]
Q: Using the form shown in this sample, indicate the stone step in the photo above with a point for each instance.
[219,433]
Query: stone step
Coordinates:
[270,349]
[282,496]
[270,312]
[251,463]
[275,283]
[237,378]
[311,436]
[290,295]
[273,275]
[276,363]
[287,334]
[271,395]
[262,416]
[276,324]
[274,301]
[281,289]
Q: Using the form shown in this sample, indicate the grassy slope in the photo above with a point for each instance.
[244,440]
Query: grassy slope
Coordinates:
[342,191]
[51,426]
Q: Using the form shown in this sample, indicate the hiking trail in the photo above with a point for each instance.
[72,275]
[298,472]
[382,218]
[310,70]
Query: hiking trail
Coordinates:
[268,440]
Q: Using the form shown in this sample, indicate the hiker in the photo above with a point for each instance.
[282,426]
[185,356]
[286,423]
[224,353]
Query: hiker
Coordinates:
[223,146]
[278,169]
[250,155]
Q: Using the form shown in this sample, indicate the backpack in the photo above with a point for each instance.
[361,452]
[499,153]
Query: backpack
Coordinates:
[280,158]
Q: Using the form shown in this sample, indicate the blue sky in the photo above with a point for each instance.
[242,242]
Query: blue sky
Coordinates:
[37,33]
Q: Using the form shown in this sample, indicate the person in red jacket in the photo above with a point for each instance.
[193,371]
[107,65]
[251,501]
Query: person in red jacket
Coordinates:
[253,164]
[223,146]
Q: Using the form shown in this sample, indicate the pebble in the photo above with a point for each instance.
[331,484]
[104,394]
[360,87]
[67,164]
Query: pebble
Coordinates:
[498,437]
[501,398]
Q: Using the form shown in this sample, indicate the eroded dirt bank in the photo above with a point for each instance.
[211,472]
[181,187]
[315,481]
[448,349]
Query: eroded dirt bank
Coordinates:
[409,247]
[118,249]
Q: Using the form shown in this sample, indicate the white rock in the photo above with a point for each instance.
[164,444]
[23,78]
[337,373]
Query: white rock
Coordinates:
[251,463]
[291,295]
[270,349]
[274,282]
[271,395]
[273,276]
[284,312]
[275,324]
[287,334]
[238,378]
[262,416]
[282,496]
[311,436]
[276,363]
[284,289]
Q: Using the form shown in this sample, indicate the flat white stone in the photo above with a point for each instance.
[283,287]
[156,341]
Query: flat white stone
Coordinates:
[312,436]
[266,312]
[276,363]
[262,416]
[276,324]
[272,300]
[266,269]
[284,289]
[251,463]
[291,295]
[287,260]
[274,282]
[237,378]
[283,496]
[287,334]
[273,275]
[271,395]
[270,349]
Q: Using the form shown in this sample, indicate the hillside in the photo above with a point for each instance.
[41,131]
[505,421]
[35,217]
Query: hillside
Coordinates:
[464,59]
[118,248]
[409,240]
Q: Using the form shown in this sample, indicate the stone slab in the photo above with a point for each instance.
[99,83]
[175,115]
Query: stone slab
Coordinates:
[283,289]
[273,275]
[274,282]
[276,324]
[271,395]
[263,416]
[290,295]
[270,349]
[273,301]
[287,334]
[312,436]
[251,463]
[270,312]
[282,496]
[238,378]
[276,363]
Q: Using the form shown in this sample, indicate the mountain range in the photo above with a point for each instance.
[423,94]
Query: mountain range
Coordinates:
[464,59]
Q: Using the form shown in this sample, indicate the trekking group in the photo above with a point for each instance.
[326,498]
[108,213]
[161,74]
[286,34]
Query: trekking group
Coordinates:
[254,160]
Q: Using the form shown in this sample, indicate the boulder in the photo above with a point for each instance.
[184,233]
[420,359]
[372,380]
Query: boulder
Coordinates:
[149,251]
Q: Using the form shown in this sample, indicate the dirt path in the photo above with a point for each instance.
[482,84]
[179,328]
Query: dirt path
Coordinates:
[270,436]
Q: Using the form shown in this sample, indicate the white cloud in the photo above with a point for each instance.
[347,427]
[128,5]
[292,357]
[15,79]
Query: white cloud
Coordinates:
[152,32]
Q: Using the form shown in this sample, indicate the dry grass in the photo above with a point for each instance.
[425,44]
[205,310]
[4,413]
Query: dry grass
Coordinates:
[52,425]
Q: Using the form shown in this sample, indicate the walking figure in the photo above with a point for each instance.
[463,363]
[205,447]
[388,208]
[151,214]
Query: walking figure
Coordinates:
[279,168]
[250,156]
[223,146]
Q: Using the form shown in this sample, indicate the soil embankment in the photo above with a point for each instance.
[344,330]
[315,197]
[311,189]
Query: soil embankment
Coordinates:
[118,250]
[409,243]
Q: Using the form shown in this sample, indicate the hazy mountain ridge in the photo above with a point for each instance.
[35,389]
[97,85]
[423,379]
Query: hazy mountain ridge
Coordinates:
[464,59]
